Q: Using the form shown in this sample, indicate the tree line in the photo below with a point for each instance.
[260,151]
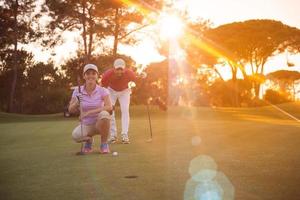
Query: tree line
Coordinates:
[28,86]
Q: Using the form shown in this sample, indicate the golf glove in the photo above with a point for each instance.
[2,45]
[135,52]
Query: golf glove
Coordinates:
[143,75]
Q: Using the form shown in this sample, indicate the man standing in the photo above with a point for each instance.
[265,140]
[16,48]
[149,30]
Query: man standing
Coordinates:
[116,80]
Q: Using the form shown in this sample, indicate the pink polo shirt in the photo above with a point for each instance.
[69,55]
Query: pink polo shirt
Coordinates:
[109,79]
[90,102]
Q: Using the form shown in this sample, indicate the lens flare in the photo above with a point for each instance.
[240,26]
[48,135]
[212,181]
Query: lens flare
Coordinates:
[208,190]
[206,183]
[171,26]
[200,163]
[196,140]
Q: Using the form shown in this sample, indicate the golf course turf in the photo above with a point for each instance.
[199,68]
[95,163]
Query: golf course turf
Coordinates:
[257,149]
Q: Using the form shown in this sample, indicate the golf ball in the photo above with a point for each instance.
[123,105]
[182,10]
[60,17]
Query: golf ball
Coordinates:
[115,153]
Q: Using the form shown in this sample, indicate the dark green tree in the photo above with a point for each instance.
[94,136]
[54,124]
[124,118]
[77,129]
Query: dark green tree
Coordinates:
[134,14]
[16,27]
[89,17]
[96,20]
[45,90]
[7,75]
[74,66]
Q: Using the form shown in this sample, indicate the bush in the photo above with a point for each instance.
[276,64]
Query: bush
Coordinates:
[275,97]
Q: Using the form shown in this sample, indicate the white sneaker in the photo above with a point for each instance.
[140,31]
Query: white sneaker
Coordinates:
[112,140]
[125,139]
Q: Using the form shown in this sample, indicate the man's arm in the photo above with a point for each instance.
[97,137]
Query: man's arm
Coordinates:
[132,75]
[105,79]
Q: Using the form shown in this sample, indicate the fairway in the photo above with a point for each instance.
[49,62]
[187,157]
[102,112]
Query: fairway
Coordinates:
[256,149]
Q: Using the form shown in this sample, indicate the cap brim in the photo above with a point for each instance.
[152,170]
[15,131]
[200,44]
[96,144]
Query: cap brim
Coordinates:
[120,67]
[90,69]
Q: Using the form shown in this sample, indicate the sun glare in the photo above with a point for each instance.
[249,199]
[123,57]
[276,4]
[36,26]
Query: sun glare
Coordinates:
[170,26]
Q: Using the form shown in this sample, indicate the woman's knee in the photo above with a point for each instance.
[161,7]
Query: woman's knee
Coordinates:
[77,135]
[104,115]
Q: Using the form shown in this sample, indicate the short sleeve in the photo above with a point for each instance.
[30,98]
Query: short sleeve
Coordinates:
[105,78]
[75,92]
[132,75]
[104,92]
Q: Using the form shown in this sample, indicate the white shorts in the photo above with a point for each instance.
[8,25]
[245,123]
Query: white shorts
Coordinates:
[78,135]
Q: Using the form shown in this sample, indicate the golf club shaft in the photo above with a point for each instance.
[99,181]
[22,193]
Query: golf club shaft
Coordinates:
[149,118]
[81,128]
[80,114]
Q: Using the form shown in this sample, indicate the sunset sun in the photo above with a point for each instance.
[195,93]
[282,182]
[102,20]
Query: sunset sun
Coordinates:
[170,26]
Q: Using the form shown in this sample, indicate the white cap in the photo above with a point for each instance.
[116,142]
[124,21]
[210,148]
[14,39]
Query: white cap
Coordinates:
[90,66]
[119,63]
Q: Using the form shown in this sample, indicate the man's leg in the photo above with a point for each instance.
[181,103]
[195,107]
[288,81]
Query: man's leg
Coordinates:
[103,126]
[124,104]
[113,125]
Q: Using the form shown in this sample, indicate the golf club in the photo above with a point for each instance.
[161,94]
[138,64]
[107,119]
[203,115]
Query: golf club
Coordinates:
[161,105]
[143,75]
[150,124]
[80,113]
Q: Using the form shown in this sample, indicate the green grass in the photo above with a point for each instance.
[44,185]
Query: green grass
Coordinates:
[256,148]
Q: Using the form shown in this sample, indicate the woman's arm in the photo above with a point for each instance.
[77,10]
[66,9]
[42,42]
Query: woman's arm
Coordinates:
[107,104]
[107,107]
[74,105]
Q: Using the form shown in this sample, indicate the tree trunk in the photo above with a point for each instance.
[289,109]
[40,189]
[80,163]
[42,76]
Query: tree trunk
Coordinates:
[116,33]
[90,41]
[252,68]
[258,83]
[256,89]
[243,71]
[15,69]
[294,91]
[234,84]
[233,71]
[86,59]
[91,33]
[217,71]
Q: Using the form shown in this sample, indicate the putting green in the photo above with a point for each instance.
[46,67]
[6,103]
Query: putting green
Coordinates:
[254,150]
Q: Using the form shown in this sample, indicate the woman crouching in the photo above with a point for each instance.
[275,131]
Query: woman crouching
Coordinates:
[94,103]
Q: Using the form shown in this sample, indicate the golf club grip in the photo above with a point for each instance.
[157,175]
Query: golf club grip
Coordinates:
[78,83]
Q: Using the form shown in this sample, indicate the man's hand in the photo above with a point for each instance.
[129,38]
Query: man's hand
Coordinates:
[143,75]
[131,84]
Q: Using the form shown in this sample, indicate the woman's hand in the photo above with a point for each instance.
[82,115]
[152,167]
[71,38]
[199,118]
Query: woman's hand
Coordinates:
[85,114]
[79,98]
[74,105]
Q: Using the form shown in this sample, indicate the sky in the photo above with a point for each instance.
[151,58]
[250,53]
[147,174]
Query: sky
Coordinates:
[218,12]
[226,11]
